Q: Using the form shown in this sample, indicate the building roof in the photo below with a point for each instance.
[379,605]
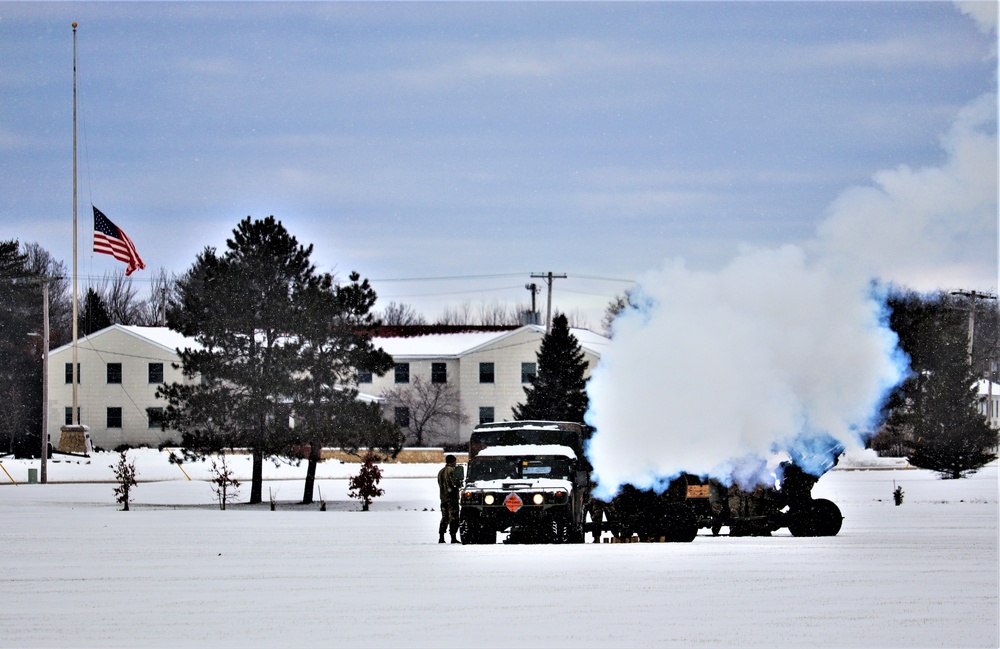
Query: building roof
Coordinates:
[457,344]
[403,342]
[983,387]
[162,337]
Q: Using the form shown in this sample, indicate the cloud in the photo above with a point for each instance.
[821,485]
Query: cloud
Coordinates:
[984,12]
[927,228]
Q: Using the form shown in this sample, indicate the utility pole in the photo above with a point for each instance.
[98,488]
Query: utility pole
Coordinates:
[972,314]
[45,381]
[548,277]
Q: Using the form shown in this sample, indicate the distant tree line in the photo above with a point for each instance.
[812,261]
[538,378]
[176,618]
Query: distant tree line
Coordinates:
[491,314]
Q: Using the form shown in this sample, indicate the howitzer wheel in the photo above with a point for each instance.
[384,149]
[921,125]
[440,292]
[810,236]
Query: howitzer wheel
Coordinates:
[672,522]
[820,517]
[678,523]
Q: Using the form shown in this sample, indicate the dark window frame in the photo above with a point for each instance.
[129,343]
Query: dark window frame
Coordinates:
[401,416]
[487,373]
[401,373]
[439,372]
[69,373]
[152,372]
[68,415]
[487,414]
[525,375]
[114,373]
[115,414]
[154,417]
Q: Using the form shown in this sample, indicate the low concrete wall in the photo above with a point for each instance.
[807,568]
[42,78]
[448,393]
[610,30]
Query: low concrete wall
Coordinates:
[431,455]
[406,456]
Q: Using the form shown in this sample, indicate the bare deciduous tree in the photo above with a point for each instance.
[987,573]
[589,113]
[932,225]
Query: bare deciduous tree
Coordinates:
[400,315]
[434,409]
[152,312]
[492,314]
[457,315]
[618,304]
[121,299]
[40,263]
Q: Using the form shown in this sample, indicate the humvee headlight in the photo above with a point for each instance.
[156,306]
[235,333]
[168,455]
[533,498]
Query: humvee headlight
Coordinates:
[538,499]
[489,499]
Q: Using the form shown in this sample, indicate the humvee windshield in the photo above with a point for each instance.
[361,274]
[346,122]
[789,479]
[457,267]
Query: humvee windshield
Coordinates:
[519,468]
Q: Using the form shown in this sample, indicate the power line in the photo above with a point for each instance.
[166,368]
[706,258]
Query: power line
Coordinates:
[445,279]
[602,279]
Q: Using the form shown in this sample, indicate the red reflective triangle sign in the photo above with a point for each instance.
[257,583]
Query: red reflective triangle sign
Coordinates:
[513,503]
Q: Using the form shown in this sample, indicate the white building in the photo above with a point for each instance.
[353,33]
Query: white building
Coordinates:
[122,366]
[989,401]
[489,368]
[120,369]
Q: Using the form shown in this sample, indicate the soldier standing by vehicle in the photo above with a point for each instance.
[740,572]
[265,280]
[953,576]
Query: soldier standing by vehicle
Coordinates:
[449,482]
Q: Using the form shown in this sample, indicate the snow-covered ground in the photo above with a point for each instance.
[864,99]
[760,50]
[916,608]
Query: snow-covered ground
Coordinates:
[175,571]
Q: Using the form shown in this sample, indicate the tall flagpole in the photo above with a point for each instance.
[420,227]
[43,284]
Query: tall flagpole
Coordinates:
[75,414]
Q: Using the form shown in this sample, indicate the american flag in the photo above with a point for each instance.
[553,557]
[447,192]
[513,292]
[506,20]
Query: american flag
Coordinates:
[110,240]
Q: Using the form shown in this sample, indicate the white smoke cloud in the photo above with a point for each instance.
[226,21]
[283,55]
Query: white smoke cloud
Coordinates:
[716,371]
[786,351]
[928,228]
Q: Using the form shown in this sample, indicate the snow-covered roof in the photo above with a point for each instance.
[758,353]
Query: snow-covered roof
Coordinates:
[983,386]
[458,344]
[527,449]
[163,337]
[436,345]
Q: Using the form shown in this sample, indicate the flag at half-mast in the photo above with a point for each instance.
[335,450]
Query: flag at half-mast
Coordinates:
[111,240]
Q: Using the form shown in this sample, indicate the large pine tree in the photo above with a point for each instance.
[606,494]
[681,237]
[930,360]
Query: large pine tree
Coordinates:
[94,315]
[242,309]
[934,412]
[558,391]
[20,357]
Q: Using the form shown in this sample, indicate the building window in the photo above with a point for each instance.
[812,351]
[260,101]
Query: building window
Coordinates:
[528,372]
[402,416]
[155,417]
[114,417]
[402,372]
[156,372]
[364,377]
[439,373]
[486,415]
[68,415]
[114,372]
[69,373]
[486,372]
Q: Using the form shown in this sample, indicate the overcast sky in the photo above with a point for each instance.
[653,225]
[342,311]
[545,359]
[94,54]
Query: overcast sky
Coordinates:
[488,141]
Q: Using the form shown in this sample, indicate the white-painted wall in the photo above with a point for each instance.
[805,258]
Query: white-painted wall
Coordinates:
[95,395]
[507,351]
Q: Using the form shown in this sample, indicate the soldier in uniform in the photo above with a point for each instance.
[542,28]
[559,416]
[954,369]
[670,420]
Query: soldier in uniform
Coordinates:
[448,484]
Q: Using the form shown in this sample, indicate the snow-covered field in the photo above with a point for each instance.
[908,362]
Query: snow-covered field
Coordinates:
[175,571]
